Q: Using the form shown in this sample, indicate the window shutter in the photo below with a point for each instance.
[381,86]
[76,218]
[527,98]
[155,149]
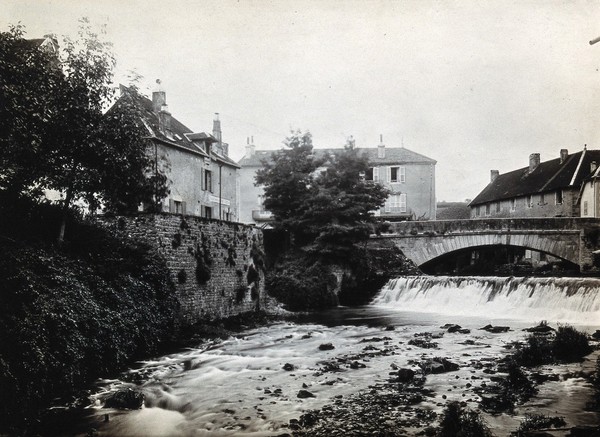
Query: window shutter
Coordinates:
[171,205]
[403,202]
[403,174]
[389,174]
[202,184]
[376,174]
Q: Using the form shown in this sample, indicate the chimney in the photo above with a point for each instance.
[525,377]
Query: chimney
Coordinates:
[564,154]
[250,147]
[217,128]
[593,167]
[494,175]
[381,148]
[159,97]
[164,119]
[534,161]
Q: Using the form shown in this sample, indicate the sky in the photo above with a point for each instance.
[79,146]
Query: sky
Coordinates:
[475,85]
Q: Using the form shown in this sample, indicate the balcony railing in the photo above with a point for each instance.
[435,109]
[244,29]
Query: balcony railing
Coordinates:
[261,215]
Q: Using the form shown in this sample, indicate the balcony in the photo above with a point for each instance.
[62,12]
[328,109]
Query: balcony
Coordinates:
[260,215]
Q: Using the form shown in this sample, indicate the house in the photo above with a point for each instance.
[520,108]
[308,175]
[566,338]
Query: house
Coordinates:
[202,179]
[589,199]
[553,188]
[409,176]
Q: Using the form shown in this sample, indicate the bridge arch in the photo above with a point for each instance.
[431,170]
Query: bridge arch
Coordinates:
[570,239]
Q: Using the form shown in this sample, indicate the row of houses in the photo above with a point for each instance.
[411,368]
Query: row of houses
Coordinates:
[566,186]
[204,181]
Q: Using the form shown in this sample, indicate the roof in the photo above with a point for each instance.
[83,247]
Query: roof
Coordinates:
[393,155]
[178,135]
[547,176]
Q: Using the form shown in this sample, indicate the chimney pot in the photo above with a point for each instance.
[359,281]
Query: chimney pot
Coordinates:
[564,154]
[534,161]
[494,175]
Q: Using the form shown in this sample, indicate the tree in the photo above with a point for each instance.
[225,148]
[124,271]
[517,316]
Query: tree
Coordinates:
[340,212]
[289,182]
[331,209]
[62,137]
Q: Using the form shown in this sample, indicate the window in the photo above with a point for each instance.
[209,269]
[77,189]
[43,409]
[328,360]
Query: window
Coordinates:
[178,207]
[585,208]
[369,174]
[396,202]
[559,197]
[498,208]
[207,182]
[207,212]
[398,174]
[477,211]
[487,209]
[530,201]
[513,204]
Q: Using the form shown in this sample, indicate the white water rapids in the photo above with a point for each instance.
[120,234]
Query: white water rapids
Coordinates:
[239,386]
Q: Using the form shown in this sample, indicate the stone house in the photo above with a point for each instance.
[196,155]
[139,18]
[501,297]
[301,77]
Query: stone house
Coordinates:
[409,176]
[202,179]
[553,188]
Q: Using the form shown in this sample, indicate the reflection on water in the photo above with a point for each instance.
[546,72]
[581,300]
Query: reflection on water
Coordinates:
[240,386]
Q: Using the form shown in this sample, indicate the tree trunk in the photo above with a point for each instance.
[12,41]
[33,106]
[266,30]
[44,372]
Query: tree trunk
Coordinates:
[65,215]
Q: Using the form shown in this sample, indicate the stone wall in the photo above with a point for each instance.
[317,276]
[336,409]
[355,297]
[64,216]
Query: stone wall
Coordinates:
[571,238]
[217,267]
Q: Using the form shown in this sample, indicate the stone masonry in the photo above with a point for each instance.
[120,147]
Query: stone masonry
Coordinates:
[216,266]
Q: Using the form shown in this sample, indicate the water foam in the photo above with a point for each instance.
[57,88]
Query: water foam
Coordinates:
[572,300]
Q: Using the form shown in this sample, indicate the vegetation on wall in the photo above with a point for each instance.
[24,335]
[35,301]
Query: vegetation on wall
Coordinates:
[71,313]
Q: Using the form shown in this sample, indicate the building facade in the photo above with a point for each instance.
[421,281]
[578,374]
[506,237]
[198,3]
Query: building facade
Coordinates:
[408,175]
[542,189]
[201,178]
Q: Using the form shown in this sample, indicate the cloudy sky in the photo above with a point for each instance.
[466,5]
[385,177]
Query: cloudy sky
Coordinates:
[475,85]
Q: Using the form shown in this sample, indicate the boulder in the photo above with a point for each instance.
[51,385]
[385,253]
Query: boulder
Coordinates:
[405,375]
[495,329]
[326,347]
[303,394]
[125,399]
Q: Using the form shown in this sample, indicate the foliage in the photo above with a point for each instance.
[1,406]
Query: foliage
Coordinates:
[54,132]
[514,388]
[289,182]
[458,422]
[329,209]
[567,345]
[302,283]
[534,422]
[69,315]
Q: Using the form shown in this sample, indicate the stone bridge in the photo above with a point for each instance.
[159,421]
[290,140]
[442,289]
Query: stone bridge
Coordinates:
[570,238]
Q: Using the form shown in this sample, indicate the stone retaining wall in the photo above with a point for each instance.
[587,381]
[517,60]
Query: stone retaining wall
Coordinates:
[217,267]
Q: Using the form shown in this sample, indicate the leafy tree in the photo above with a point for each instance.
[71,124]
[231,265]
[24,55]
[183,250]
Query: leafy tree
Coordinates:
[62,139]
[327,210]
[340,212]
[288,182]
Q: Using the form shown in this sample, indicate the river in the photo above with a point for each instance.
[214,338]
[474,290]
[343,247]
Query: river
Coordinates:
[249,384]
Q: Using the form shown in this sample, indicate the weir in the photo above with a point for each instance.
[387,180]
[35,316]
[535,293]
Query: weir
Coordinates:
[572,300]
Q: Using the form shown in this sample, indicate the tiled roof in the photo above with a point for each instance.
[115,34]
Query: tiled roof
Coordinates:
[547,176]
[393,155]
[179,135]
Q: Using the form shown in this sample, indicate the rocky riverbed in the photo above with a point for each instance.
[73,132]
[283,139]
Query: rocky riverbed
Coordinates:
[359,372]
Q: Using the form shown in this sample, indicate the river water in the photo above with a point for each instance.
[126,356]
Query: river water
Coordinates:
[242,386]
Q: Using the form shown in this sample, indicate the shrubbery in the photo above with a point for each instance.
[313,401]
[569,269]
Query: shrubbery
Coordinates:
[567,345]
[458,422]
[69,314]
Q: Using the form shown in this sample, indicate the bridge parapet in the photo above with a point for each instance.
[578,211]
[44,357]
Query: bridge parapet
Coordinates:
[442,227]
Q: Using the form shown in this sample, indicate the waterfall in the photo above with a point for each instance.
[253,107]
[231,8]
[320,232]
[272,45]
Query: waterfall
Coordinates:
[572,300]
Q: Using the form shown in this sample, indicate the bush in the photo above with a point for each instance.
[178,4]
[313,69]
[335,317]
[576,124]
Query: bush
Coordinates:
[301,284]
[457,422]
[72,313]
[567,345]
[534,422]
